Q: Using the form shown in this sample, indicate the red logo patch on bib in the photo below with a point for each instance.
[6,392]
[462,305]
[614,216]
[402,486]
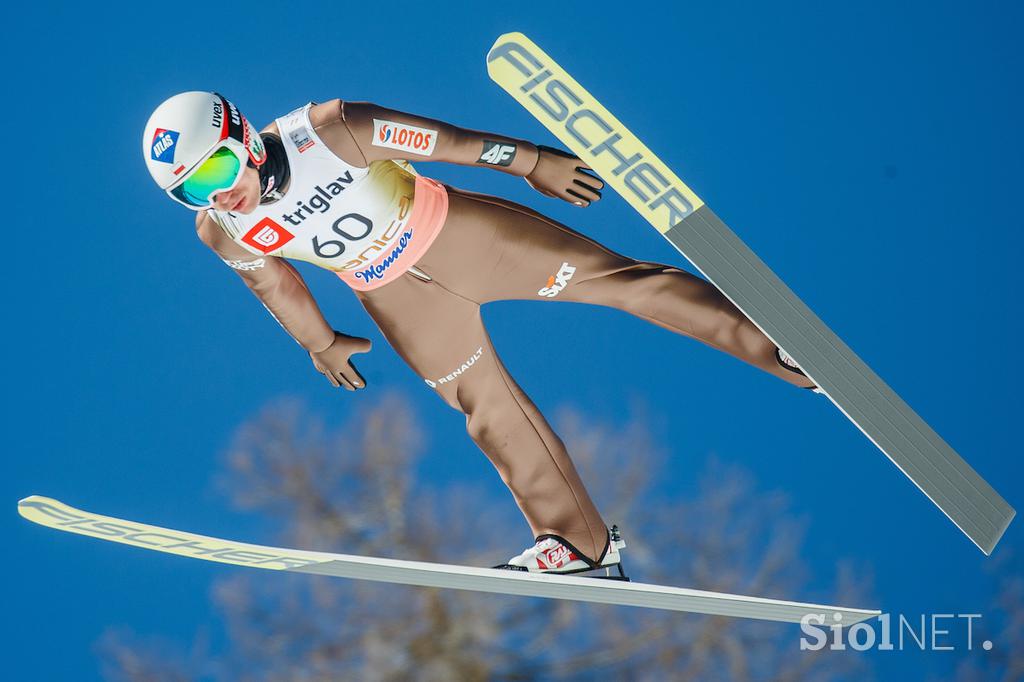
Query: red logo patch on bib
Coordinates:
[266,236]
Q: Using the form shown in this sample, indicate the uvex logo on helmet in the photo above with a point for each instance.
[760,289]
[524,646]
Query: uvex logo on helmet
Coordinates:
[217,117]
[162,148]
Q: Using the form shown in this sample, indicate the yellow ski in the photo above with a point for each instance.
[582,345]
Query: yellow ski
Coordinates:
[54,514]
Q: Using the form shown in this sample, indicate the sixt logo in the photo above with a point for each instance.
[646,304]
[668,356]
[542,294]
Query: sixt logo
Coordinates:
[558,281]
[163,146]
[377,270]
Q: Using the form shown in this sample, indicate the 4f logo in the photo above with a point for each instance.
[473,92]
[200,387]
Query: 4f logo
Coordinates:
[266,236]
[497,153]
[558,281]
[163,145]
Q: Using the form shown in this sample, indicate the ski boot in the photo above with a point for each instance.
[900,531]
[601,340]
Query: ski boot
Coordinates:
[555,554]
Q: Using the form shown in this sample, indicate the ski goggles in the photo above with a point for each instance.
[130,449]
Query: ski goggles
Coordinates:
[219,171]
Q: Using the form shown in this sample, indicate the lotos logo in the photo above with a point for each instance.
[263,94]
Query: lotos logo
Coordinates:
[266,236]
[164,144]
[558,281]
[406,138]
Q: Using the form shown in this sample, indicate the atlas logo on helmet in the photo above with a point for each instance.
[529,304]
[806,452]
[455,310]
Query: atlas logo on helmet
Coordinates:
[163,145]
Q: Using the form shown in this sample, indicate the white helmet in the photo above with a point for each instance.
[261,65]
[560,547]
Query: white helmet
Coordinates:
[197,144]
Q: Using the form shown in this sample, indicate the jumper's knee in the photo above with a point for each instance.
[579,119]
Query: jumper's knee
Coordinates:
[492,433]
[657,291]
[479,425]
[626,287]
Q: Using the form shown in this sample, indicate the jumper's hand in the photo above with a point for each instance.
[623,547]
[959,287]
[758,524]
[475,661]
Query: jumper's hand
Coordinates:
[333,362]
[561,175]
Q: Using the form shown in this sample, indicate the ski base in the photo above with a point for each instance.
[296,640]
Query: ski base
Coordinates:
[593,133]
[53,514]
[885,418]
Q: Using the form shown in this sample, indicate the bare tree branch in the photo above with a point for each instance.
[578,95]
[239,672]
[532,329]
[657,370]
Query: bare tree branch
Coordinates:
[359,494]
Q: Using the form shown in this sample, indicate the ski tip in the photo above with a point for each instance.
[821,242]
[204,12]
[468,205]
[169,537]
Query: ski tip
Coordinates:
[28,505]
[511,37]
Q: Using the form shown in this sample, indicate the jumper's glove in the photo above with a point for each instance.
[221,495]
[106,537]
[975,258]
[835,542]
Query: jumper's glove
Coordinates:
[333,362]
[560,175]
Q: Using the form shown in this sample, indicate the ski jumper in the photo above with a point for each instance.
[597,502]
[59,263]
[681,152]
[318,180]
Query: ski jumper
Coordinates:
[361,222]
[422,259]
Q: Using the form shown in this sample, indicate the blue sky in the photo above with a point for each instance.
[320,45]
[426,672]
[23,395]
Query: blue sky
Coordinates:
[871,153]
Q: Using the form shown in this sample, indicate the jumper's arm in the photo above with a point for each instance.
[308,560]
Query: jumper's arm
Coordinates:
[362,133]
[388,134]
[276,283]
